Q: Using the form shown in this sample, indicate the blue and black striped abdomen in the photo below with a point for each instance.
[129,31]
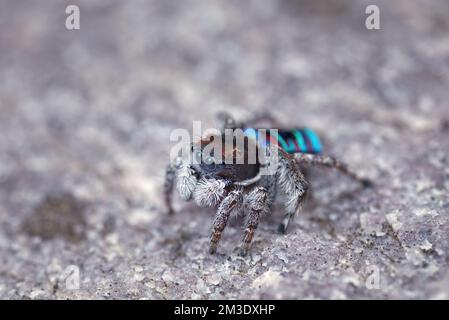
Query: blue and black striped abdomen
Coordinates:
[299,140]
[302,140]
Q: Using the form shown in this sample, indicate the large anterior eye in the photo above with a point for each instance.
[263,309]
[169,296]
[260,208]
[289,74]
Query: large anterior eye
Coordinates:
[209,160]
[197,155]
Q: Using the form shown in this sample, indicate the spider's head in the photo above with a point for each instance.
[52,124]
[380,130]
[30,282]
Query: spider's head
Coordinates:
[215,162]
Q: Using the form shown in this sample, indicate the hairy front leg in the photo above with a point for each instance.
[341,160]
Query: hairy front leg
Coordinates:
[232,202]
[330,162]
[257,205]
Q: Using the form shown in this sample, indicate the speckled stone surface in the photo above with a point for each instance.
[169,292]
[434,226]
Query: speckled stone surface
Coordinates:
[85,118]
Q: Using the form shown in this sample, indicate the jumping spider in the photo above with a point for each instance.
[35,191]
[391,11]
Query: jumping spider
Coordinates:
[241,188]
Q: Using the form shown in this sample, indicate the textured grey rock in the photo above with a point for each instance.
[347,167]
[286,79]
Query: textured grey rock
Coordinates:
[86,116]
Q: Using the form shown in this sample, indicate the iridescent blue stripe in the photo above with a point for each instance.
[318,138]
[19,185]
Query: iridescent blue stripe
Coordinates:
[306,139]
[314,139]
[282,142]
[300,139]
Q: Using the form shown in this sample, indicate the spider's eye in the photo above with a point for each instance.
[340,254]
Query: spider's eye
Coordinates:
[209,160]
[197,156]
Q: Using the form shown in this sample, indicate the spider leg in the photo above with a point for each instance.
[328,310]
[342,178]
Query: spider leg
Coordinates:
[231,202]
[184,176]
[186,181]
[210,192]
[269,182]
[295,186]
[311,201]
[226,121]
[257,205]
[170,178]
[261,117]
[330,162]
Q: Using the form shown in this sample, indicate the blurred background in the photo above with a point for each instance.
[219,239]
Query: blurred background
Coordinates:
[85,119]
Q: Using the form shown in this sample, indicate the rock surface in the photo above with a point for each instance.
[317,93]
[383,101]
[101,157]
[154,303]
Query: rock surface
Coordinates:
[85,123]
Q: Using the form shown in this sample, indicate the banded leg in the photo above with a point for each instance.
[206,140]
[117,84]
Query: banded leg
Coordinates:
[229,204]
[170,178]
[295,186]
[257,205]
[330,162]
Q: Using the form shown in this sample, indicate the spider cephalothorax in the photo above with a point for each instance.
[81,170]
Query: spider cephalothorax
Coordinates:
[227,160]
[229,177]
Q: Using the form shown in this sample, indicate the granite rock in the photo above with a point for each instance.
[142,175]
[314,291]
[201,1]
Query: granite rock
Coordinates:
[85,122]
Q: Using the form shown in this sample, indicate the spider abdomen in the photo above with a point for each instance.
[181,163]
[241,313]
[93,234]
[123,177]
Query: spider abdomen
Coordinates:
[302,140]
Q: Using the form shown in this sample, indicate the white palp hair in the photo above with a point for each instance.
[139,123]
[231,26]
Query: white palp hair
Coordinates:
[209,192]
[186,182]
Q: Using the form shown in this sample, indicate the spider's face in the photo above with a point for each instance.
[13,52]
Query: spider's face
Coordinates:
[208,165]
[214,166]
